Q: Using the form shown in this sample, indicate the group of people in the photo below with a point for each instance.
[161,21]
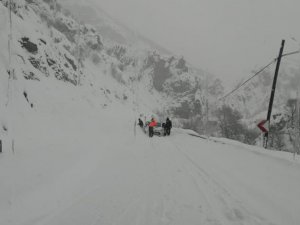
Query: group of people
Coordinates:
[167,126]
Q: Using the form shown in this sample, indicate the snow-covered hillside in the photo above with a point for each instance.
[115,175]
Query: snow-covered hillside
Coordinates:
[47,44]
[253,98]
[112,30]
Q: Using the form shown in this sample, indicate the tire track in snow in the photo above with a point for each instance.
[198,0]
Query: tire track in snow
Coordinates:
[180,203]
[166,197]
[229,209]
[208,216]
[154,203]
[148,207]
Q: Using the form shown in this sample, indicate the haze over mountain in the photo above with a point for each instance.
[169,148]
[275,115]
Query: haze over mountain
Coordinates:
[110,28]
[251,100]
[228,38]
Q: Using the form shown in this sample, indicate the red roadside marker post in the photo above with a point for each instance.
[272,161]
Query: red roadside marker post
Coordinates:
[261,124]
[265,131]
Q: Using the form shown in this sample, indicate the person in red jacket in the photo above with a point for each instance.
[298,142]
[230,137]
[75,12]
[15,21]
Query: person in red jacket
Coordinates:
[152,124]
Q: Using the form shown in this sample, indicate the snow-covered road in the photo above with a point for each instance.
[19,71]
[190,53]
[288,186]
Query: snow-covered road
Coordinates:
[96,179]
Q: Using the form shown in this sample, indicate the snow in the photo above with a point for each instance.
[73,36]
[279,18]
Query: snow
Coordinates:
[78,160]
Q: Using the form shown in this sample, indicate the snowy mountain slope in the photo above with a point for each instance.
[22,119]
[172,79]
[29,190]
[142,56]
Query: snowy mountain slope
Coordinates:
[111,29]
[252,101]
[170,74]
[44,47]
[189,88]
[50,44]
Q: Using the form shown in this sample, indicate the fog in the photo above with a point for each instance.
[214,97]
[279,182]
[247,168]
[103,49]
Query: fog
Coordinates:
[228,38]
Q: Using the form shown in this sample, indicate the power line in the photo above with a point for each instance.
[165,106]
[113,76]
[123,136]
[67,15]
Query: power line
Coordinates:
[291,53]
[257,73]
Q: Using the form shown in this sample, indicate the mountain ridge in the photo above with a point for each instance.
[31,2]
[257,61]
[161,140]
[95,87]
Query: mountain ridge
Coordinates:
[93,14]
[152,82]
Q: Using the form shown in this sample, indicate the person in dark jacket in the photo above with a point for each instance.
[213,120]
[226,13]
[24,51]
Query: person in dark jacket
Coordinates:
[168,127]
[141,124]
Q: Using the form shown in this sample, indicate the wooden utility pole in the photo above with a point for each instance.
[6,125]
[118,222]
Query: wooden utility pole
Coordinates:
[298,111]
[273,92]
[10,71]
[11,76]
[78,53]
[206,108]
[297,127]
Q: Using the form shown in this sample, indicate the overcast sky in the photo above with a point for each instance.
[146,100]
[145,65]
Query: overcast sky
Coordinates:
[226,37]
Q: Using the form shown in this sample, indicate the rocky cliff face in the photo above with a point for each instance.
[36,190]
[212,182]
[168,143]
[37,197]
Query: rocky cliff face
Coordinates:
[49,43]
